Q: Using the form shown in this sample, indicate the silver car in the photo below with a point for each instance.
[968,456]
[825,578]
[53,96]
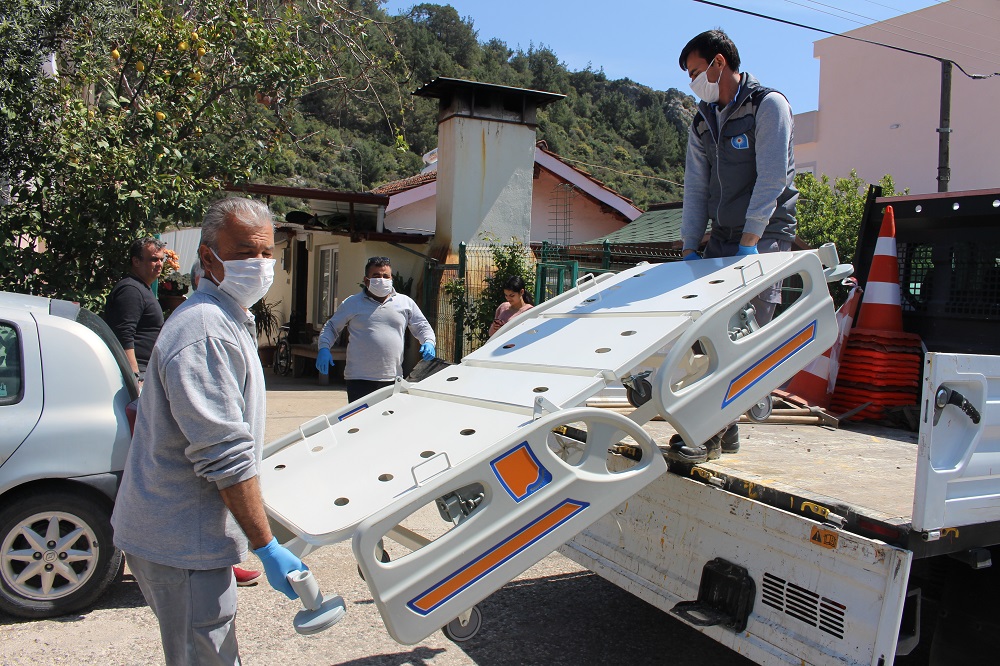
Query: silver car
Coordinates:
[65,394]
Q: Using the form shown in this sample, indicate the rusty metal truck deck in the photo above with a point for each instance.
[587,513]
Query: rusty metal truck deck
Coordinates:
[862,473]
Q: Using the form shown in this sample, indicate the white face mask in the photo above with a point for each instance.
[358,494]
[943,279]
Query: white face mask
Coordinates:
[379,287]
[246,280]
[704,88]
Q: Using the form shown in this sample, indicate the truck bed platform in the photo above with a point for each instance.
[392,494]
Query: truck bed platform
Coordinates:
[861,473]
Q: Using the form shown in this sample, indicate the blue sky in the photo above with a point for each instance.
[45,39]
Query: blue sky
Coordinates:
[641,39]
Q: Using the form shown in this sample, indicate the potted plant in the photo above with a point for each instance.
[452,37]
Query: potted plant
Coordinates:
[266,320]
[173,283]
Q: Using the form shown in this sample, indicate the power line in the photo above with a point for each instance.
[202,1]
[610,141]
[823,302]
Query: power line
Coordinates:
[965,9]
[856,39]
[623,173]
[878,26]
[917,15]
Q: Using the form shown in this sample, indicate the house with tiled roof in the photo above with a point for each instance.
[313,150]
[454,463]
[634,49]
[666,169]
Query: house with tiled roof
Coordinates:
[493,178]
[568,205]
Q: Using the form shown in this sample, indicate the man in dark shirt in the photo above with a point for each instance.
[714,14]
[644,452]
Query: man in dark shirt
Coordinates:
[132,312]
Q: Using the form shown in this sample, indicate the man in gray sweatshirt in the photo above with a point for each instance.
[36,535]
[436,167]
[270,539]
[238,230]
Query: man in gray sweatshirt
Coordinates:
[739,176]
[377,319]
[190,498]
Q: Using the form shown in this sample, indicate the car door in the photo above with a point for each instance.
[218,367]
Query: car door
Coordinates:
[958,457]
[20,380]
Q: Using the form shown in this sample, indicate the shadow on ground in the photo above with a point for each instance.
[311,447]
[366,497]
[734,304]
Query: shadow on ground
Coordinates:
[122,593]
[572,619]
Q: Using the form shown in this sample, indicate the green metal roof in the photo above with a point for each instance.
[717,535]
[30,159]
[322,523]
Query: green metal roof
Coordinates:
[655,226]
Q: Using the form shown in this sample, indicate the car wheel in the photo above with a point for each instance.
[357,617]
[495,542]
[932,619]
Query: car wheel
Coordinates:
[56,554]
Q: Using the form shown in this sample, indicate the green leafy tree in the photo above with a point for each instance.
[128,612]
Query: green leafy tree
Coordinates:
[509,259]
[831,213]
[154,107]
[475,304]
[628,135]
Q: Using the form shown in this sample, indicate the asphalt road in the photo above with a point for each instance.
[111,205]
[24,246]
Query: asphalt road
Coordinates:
[555,613]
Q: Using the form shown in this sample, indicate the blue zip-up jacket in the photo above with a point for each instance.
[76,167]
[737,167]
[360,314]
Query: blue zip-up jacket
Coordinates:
[739,173]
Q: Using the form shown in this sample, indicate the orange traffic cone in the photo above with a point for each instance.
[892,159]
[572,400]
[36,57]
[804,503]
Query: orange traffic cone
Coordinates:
[813,385]
[882,309]
[881,364]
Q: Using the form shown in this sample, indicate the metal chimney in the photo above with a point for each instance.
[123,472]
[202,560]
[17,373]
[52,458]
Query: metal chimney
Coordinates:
[486,157]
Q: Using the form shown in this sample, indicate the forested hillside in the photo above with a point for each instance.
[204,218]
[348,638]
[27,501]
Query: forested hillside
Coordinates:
[621,125]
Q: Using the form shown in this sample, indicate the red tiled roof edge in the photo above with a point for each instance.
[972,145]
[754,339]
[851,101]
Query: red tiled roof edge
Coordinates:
[397,186]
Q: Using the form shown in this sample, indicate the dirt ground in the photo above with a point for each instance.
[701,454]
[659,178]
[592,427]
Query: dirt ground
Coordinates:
[555,613]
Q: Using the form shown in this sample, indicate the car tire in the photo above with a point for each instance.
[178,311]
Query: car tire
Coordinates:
[56,553]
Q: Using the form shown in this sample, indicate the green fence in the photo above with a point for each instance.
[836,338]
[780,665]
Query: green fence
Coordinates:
[557,268]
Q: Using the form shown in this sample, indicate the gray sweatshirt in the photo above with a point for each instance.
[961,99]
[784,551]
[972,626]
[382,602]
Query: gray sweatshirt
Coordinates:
[377,330]
[200,428]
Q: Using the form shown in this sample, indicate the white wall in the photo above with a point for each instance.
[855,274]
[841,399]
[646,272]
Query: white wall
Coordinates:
[485,171]
[412,211]
[879,109]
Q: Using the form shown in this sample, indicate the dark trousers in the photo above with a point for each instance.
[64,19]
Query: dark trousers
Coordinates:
[359,388]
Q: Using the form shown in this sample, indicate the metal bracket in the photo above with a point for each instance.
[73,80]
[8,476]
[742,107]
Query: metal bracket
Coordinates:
[460,504]
[725,596]
[542,405]
[746,323]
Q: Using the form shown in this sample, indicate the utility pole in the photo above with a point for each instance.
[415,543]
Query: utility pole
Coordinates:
[944,128]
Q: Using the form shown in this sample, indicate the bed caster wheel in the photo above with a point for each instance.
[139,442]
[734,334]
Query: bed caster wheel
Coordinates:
[383,557]
[762,410]
[638,391]
[460,633]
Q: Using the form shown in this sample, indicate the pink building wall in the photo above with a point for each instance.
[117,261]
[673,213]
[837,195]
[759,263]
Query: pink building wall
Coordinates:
[587,220]
[879,109]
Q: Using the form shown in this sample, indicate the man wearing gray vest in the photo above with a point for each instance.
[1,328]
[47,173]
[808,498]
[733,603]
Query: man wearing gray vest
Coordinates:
[738,176]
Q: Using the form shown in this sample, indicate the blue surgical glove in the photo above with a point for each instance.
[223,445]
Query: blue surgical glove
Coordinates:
[324,360]
[278,562]
[427,351]
[747,249]
[692,256]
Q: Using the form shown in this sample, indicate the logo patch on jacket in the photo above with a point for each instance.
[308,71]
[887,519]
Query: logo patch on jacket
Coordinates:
[740,142]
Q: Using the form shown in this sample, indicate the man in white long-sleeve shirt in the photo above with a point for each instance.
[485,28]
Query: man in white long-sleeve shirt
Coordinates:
[739,176]
[376,319]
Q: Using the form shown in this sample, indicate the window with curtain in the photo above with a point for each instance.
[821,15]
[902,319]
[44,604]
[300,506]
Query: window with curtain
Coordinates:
[328,269]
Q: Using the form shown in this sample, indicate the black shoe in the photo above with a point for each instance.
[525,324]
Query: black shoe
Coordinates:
[729,439]
[681,452]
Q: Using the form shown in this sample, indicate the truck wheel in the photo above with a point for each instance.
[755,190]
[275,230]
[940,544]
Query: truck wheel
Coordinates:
[56,554]
[456,632]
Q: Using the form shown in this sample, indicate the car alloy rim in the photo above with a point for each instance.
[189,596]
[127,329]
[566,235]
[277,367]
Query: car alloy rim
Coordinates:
[48,556]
